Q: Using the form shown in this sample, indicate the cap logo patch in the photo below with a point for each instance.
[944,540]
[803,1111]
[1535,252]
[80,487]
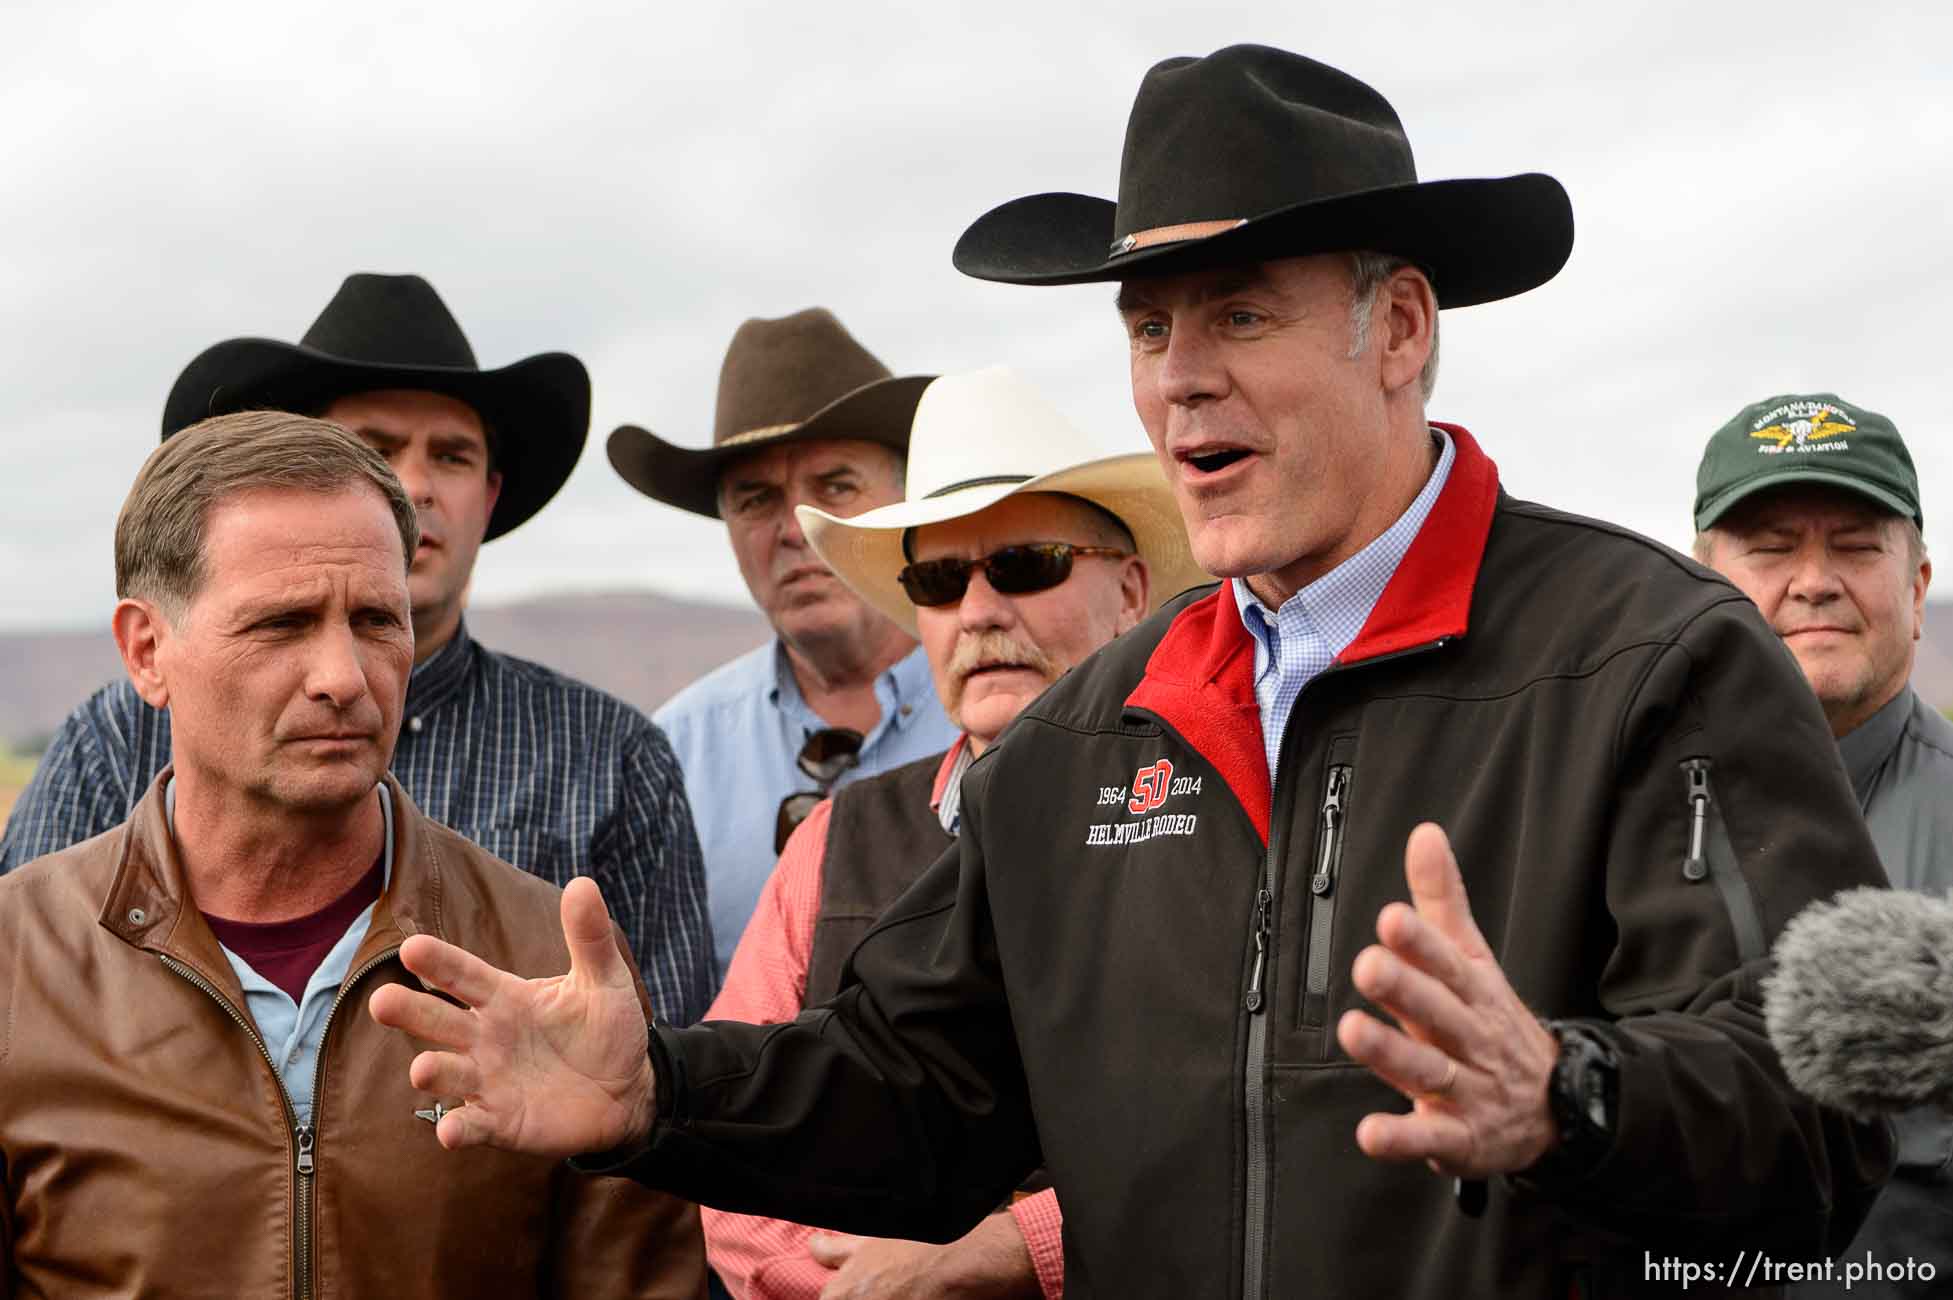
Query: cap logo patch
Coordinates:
[1798,427]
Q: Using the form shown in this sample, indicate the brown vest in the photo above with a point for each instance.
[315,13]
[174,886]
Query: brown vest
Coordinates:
[881,836]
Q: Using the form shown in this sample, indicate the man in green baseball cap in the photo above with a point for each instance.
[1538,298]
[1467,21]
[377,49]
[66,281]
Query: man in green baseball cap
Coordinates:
[1810,505]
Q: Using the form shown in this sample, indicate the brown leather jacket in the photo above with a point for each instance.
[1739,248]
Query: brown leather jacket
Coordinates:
[147,1146]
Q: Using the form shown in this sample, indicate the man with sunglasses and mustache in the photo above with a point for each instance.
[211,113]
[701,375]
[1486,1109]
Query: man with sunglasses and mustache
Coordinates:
[1387,920]
[1014,556]
[805,416]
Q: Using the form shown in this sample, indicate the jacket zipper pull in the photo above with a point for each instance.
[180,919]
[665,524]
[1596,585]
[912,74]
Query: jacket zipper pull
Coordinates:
[1263,901]
[305,1141]
[1332,826]
[1696,865]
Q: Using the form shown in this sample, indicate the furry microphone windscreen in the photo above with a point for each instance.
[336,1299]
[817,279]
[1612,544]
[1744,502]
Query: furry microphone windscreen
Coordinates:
[1860,1006]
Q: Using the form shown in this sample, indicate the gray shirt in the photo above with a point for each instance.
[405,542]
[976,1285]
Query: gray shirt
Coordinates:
[1901,764]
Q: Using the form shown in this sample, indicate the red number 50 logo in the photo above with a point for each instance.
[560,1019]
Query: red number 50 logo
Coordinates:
[1149,786]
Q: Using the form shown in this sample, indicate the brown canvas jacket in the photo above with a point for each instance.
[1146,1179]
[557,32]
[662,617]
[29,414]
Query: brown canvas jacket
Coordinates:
[147,1146]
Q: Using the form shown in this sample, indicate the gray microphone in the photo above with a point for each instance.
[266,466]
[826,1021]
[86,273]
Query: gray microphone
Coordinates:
[1860,1005]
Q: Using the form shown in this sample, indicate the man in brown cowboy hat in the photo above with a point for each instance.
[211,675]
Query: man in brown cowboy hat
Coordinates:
[541,770]
[1022,547]
[1430,756]
[805,416]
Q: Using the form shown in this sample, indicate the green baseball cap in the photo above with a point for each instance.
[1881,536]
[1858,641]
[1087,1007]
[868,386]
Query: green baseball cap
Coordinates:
[1815,438]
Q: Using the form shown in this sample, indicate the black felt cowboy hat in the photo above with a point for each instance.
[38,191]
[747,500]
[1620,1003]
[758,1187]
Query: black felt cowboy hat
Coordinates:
[793,379]
[393,331]
[1254,153]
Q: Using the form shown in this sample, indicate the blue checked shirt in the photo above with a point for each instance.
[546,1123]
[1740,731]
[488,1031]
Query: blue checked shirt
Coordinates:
[1317,623]
[542,771]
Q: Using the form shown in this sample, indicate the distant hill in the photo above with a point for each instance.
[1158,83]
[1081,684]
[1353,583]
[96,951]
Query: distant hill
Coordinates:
[1932,671]
[637,645]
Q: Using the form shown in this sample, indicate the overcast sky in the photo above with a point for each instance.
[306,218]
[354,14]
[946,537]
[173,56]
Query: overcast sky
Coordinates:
[1760,195]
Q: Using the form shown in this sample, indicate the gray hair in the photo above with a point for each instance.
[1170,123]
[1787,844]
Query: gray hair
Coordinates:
[159,536]
[1367,273]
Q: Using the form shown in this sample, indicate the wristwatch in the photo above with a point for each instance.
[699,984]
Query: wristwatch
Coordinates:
[1584,1098]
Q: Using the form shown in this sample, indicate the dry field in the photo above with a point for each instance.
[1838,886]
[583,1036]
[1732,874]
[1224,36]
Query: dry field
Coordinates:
[14,772]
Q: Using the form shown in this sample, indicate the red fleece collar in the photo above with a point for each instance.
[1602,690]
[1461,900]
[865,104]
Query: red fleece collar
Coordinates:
[1200,678]
[1430,595]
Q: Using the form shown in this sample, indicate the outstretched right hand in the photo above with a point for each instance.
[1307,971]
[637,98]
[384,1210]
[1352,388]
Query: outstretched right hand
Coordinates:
[551,1067]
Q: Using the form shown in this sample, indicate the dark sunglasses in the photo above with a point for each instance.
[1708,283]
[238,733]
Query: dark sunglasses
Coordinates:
[1012,571]
[828,754]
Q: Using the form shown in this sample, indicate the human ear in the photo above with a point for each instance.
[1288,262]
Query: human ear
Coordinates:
[494,492]
[1134,584]
[1920,582]
[140,630]
[1411,324]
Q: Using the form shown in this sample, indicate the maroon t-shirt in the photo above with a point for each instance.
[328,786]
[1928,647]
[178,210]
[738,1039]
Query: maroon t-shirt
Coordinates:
[287,952]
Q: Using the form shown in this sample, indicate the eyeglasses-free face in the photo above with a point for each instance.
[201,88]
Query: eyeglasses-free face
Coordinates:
[1011,570]
[828,754]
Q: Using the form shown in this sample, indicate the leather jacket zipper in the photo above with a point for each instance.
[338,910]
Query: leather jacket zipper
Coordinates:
[1322,891]
[305,1137]
[302,1137]
[1711,856]
[308,1137]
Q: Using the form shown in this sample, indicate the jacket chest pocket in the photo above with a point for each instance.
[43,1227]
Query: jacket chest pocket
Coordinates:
[1315,874]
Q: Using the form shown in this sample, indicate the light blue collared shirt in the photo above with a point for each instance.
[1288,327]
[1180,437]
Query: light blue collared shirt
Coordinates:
[1318,622]
[293,1032]
[737,732]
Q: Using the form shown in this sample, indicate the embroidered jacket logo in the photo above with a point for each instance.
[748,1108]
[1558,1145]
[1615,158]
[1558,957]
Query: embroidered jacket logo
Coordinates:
[1802,427]
[1149,787]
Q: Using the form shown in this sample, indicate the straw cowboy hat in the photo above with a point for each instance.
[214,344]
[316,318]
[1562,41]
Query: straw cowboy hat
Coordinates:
[1252,154]
[981,437]
[393,331]
[793,379]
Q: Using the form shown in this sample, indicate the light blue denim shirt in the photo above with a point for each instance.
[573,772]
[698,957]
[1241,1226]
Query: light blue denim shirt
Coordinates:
[737,732]
[1318,623]
[293,1032]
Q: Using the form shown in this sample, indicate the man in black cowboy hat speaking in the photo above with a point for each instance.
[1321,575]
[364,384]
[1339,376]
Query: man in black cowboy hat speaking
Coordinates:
[1387,921]
[805,415]
[542,771]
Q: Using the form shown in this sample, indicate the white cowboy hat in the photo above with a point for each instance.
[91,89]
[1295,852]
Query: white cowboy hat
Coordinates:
[981,437]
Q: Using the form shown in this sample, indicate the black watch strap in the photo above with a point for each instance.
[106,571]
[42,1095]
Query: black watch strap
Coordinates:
[1584,1098]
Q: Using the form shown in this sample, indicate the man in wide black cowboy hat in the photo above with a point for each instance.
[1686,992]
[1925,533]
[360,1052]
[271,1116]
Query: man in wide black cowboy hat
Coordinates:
[1429,755]
[541,770]
[805,415]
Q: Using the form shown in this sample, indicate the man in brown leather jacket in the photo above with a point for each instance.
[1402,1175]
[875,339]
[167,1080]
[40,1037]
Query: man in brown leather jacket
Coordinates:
[186,1105]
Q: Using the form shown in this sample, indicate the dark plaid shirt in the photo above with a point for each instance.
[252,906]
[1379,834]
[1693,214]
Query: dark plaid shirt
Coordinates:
[540,770]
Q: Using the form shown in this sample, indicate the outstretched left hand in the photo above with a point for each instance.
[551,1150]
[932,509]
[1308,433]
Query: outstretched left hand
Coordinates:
[1474,1061]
